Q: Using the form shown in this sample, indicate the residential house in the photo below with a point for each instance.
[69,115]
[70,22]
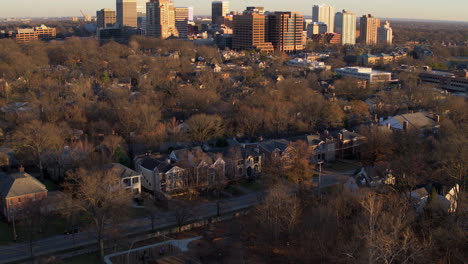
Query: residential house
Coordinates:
[419,121]
[348,143]
[277,150]
[244,161]
[182,169]
[18,190]
[130,179]
[324,148]
[159,175]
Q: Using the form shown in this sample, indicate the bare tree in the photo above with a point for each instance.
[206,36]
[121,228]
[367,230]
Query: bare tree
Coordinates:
[99,195]
[34,138]
[202,127]
[182,213]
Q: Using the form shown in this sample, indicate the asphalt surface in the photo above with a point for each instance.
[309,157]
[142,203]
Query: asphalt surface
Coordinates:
[51,245]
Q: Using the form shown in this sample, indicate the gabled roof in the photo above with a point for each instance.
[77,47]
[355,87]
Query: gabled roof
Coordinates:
[122,170]
[417,120]
[272,145]
[18,184]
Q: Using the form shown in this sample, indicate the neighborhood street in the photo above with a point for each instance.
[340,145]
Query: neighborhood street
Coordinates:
[51,245]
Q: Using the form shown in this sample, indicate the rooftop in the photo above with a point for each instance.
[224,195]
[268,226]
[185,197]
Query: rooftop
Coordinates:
[18,184]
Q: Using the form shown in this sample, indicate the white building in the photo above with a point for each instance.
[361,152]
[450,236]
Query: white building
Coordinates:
[312,65]
[324,14]
[345,24]
[364,73]
[385,34]
[130,178]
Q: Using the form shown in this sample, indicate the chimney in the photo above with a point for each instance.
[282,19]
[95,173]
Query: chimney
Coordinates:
[376,118]
[340,136]
[405,125]
[21,169]
[388,125]
[437,118]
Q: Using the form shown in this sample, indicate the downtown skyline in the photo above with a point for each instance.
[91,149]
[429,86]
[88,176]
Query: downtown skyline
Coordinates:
[417,9]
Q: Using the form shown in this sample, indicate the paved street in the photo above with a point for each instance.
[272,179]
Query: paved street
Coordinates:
[59,243]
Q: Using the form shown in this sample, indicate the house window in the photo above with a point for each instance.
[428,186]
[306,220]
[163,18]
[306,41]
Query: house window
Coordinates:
[126,182]
[135,180]
[19,200]
[11,201]
[256,159]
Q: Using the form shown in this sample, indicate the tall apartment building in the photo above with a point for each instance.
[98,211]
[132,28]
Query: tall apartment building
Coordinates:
[105,18]
[324,14]
[182,18]
[160,19]
[250,32]
[385,34]
[285,30]
[345,24]
[126,15]
[218,10]
[45,33]
[369,26]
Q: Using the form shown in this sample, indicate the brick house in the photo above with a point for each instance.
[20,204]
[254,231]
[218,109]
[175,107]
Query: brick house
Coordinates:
[17,190]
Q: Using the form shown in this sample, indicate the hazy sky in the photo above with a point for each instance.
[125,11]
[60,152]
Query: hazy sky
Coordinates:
[420,9]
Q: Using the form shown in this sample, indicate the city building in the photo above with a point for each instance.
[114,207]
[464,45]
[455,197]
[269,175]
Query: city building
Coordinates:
[327,38]
[218,10]
[25,35]
[255,9]
[45,33]
[316,28]
[161,21]
[345,24]
[367,59]
[369,27]
[126,15]
[363,73]
[455,82]
[181,20]
[324,14]
[110,34]
[284,31]
[17,191]
[105,18]
[385,34]
[250,32]
[141,15]
[308,64]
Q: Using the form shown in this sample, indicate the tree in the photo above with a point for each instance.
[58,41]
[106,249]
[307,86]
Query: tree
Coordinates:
[98,194]
[182,213]
[332,115]
[378,145]
[203,127]
[278,214]
[34,138]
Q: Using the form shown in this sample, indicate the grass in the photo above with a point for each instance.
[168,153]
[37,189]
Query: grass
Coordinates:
[84,259]
[6,236]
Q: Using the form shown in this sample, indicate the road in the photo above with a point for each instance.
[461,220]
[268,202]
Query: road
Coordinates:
[51,245]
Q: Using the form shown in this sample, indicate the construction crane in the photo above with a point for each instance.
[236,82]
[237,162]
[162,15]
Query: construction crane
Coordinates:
[86,18]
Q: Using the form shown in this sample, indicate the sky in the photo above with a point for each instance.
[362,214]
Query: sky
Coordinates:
[454,10]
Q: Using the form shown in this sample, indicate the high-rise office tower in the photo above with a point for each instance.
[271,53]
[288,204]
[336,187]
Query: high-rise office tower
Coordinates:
[182,18]
[160,19]
[105,18]
[385,34]
[141,15]
[369,26]
[284,31]
[250,32]
[324,14]
[218,10]
[345,24]
[127,13]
